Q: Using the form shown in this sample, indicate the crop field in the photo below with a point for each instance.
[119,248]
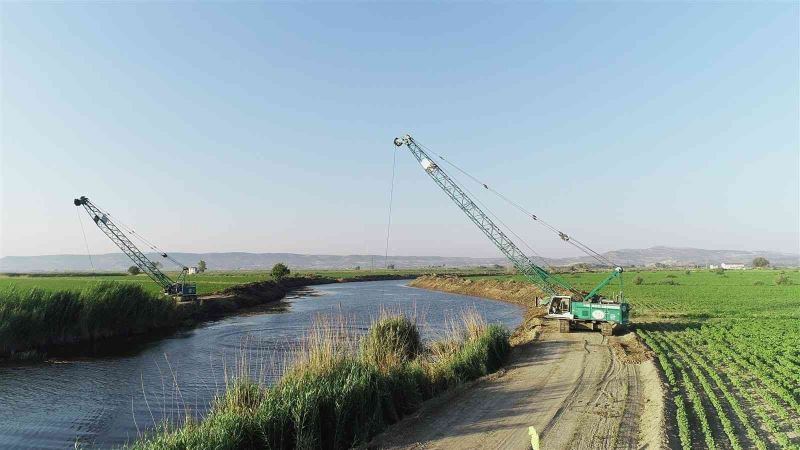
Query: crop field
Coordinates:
[728,345]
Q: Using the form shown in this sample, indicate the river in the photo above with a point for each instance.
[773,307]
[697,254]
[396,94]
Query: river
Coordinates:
[108,401]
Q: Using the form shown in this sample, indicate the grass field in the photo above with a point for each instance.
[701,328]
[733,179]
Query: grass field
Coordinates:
[729,347]
[206,283]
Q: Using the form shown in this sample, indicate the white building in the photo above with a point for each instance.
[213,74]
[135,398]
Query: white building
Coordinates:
[192,270]
[732,266]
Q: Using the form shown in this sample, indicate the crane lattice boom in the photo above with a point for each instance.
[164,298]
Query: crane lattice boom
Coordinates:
[549,283]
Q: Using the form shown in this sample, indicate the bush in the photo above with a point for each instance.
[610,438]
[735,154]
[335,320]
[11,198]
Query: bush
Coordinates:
[134,270]
[688,272]
[782,279]
[758,283]
[760,262]
[719,271]
[280,271]
[391,341]
[638,280]
[672,275]
[669,282]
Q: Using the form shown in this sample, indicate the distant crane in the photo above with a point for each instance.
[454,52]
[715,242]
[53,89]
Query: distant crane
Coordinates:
[566,303]
[180,289]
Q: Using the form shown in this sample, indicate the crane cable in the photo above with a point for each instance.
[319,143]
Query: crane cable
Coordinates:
[565,237]
[389,220]
[130,231]
[85,241]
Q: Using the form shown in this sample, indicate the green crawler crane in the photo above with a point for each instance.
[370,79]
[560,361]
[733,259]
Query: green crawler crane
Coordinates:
[179,289]
[565,303]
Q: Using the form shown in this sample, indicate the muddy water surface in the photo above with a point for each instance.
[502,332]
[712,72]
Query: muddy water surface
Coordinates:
[107,401]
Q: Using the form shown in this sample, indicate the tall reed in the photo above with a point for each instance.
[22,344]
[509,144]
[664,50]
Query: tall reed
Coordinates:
[34,318]
[341,389]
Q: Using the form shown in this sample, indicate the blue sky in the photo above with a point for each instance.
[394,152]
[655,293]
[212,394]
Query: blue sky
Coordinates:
[269,127]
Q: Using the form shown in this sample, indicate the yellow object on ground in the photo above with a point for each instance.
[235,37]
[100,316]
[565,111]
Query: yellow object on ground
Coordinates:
[534,438]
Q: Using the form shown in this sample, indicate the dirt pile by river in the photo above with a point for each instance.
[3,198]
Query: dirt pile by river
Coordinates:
[510,291]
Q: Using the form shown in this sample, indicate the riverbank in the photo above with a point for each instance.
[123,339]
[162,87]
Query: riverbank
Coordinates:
[509,291]
[35,323]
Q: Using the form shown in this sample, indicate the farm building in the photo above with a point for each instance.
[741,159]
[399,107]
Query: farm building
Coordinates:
[727,266]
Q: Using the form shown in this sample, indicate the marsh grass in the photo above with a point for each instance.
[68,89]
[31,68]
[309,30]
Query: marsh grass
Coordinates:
[32,318]
[342,388]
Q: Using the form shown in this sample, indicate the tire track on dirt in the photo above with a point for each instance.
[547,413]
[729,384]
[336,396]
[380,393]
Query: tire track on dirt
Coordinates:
[571,387]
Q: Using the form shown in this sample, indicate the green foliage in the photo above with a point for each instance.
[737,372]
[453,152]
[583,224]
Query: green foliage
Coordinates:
[719,271]
[36,317]
[134,270]
[201,266]
[783,280]
[280,271]
[760,262]
[391,341]
[638,281]
[335,399]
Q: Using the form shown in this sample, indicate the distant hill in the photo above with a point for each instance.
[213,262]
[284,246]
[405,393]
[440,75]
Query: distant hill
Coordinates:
[259,261]
[672,256]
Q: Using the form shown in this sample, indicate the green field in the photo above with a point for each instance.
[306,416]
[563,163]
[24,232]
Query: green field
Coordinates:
[729,347]
[206,282]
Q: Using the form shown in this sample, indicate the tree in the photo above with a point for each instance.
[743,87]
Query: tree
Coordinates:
[760,262]
[134,270]
[201,266]
[390,267]
[158,265]
[280,271]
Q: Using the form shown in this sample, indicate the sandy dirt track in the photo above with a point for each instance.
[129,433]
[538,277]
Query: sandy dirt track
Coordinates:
[576,392]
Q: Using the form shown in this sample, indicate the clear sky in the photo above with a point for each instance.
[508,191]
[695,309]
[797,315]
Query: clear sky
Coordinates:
[269,127]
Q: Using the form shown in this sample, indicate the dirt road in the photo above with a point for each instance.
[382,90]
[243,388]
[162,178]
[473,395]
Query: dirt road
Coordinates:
[572,388]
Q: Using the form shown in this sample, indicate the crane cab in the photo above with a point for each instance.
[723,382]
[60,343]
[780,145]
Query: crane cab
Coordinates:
[604,313]
[182,291]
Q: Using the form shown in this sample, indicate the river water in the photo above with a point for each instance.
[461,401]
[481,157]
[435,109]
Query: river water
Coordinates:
[108,401]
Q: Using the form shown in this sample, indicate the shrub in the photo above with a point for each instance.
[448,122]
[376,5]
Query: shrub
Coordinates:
[782,279]
[638,280]
[688,272]
[669,282]
[280,271]
[760,262]
[672,275]
[719,271]
[758,283]
[134,270]
[392,340]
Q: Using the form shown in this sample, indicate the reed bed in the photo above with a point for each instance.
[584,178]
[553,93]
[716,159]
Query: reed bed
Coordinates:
[35,318]
[341,389]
